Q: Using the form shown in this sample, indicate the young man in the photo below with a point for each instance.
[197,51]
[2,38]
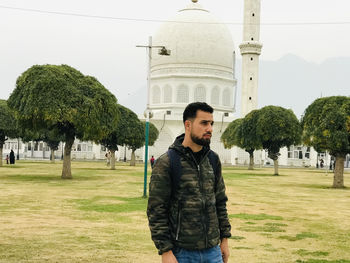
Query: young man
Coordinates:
[187,201]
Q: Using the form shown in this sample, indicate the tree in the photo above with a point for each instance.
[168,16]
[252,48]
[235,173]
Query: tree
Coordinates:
[52,97]
[123,133]
[52,139]
[138,138]
[326,126]
[230,136]
[153,133]
[242,133]
[8,127]
[277,127]
[130,131]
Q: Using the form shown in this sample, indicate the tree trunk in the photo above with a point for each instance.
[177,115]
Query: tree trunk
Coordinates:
[1,147]
[52,156]
[132,161]
[338,180]
[251,161]
[66,171]
[275,164]
[112,159]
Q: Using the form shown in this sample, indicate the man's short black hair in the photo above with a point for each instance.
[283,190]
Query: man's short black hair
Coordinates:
[192,108]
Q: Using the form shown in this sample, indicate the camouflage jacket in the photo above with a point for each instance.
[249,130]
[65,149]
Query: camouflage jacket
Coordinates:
[194,215]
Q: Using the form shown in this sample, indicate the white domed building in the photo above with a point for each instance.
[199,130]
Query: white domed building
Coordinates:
[201,67]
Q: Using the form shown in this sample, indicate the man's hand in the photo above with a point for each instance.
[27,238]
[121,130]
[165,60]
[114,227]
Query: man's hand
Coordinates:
[224,250]
[168,257]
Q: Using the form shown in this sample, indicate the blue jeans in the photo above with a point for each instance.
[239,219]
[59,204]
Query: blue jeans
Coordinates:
[210,255]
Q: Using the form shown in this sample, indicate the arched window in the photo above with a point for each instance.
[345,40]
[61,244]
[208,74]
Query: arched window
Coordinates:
[182,94]
[215,96]
[168,94]
[156,94]
[226,97]
[200,94]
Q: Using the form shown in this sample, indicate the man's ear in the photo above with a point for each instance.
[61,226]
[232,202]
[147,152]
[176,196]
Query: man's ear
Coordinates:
[187,124]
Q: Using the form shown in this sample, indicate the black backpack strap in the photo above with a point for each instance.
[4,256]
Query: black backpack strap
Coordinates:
[175,168]
[213,159]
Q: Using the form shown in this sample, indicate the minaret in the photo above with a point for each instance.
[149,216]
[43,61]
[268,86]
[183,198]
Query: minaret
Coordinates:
[250,50]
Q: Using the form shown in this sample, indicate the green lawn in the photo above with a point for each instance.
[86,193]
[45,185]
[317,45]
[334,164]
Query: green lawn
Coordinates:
[99,216]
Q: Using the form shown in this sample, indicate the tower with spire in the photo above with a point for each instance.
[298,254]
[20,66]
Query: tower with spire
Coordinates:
[250,50]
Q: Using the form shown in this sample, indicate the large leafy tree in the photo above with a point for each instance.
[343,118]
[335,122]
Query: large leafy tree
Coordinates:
[230,136]
[8,127]
[138,138]
[248,135]
[59,97]
[153,133]
[52,139]
[242,133]
[326,126]
[277,127]
[123,133]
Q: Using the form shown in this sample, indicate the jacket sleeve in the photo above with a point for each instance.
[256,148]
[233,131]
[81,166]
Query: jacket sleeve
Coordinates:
[221,200]
[158,204]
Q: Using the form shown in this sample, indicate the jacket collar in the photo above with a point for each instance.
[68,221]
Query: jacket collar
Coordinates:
[177,145]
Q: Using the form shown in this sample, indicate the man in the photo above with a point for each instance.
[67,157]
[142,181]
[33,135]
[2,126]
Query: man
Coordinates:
[187,211]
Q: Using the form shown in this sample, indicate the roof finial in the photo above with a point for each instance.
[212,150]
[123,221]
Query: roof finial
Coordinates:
[194,1]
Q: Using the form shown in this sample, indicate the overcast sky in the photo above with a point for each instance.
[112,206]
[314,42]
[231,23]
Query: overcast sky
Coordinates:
[105,47]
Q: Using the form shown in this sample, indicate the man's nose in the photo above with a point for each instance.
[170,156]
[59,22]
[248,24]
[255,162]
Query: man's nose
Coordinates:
[210,128]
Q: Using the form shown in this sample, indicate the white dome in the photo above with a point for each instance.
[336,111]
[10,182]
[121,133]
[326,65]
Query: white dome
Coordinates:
[199,68]
[194,37]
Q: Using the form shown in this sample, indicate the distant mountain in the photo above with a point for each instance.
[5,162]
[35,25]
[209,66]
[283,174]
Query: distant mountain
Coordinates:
[294,83]
[290,82]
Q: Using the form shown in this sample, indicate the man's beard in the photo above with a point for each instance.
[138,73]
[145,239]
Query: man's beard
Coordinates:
[200,141]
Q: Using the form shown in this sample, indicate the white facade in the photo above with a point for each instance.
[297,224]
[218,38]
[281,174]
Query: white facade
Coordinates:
[39,150]
[294,156]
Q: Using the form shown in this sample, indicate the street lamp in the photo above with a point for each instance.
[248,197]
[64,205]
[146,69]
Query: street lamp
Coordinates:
[148,113]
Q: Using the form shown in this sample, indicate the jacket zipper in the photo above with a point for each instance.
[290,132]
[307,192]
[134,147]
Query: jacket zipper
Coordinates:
[202,192]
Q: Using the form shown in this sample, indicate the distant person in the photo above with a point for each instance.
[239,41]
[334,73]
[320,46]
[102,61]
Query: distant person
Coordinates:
[152,161]
[321,163]
[7,159]
[12,157]
[108,157]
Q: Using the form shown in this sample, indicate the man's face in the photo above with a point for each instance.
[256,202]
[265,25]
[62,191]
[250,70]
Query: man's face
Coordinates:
[201,128]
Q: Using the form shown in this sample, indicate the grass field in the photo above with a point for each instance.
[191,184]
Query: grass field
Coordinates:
[99,216]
